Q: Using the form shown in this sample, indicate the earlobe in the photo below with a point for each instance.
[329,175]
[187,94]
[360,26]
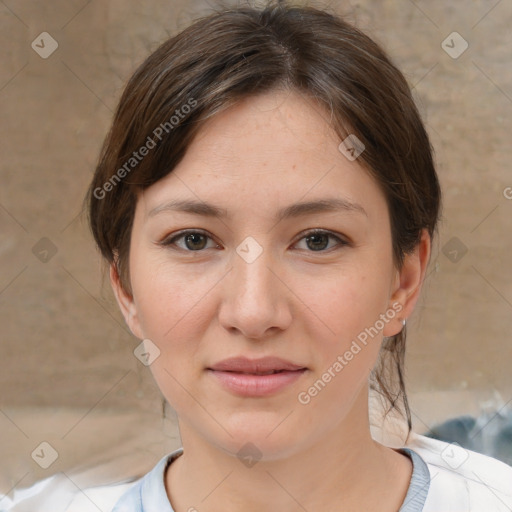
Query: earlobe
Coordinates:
[408,283]
[126,303]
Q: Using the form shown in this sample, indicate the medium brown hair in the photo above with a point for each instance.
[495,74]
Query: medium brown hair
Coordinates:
[234,53]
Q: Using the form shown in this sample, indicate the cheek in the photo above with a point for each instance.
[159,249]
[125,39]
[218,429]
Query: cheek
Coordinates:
[175,311]
[173,306]
[345,313]
[342,305]
[346,341]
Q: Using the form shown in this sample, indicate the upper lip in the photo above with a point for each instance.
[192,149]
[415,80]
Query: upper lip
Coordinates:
[264,364]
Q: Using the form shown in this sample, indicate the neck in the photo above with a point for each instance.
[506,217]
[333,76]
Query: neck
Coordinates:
[344,470]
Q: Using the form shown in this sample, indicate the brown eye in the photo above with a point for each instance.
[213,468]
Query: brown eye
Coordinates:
[193,241]
[318,240]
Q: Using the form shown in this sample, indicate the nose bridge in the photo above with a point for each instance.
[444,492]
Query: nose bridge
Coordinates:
[253,303]
[252,274]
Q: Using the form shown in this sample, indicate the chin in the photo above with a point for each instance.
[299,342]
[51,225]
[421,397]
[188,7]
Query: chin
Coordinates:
[259,442]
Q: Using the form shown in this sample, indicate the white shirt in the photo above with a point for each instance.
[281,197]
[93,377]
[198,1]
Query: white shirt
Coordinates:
[446,478]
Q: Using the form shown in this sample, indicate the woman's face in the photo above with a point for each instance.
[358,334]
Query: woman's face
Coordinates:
[249,282]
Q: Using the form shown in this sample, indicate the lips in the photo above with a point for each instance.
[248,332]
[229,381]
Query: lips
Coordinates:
[262,366]
[256,377]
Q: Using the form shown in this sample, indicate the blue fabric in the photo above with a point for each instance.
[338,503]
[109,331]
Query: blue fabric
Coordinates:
[419,484]
[148,494]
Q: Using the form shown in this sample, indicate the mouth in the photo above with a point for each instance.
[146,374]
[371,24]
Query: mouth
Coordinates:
[271,372]
[262,366]
[256,377]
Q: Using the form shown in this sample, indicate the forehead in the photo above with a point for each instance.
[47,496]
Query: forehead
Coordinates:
[263,153]
[279,121]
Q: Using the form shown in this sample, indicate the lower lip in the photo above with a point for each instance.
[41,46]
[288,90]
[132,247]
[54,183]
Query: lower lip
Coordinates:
[256,385]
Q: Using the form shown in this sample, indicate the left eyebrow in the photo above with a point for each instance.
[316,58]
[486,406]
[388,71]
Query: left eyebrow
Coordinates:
[295,210]
[320,206]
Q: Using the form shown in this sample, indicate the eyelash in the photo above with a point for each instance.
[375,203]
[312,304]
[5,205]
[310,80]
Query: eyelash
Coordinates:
[169,242]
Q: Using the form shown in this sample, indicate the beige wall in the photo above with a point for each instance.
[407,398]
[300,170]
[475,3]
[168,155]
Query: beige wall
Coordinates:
[64,343]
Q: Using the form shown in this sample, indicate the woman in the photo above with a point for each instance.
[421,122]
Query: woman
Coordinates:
[266,200]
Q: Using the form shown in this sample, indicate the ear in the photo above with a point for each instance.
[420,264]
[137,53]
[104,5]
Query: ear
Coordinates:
[407,284]
[126,303]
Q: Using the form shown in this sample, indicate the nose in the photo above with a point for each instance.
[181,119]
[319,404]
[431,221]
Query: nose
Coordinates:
[255,298]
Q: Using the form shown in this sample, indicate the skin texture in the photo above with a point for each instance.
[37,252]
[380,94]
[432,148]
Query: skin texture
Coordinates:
[305,305]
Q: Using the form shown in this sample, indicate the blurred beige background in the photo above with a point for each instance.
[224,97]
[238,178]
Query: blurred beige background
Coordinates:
[68,375]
